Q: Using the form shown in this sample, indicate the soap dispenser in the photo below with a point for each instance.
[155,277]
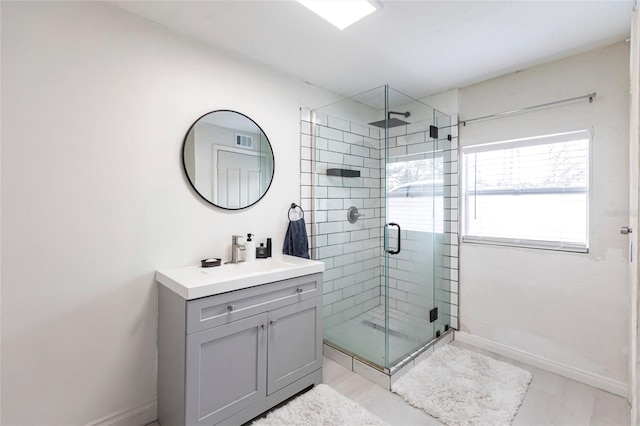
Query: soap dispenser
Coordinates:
[250,249]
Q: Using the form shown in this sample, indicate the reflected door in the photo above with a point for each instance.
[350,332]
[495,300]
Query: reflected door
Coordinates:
[237,182]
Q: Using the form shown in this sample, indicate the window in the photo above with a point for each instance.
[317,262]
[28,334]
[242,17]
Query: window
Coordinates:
[415,198]
[531,192]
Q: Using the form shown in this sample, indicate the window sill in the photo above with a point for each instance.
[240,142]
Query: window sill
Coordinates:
[529,244]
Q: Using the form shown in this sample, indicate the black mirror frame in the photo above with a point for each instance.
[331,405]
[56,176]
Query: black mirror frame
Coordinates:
[184,166]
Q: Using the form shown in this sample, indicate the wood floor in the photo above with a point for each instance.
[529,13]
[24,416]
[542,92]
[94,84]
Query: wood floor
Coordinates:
[550,400]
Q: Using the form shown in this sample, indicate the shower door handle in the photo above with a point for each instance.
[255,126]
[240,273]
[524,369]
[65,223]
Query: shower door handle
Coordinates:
[399,239]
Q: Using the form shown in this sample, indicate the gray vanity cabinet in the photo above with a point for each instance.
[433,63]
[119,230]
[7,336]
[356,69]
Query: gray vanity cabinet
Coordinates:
[293,351]
[226,370]
[226,358]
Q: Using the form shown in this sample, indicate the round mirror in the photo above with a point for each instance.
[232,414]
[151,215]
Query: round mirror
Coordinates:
[228,159]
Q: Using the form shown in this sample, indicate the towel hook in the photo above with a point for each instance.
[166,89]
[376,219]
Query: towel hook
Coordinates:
[293,207]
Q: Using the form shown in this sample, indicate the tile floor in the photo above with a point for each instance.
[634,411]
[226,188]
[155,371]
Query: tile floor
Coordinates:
[550,400]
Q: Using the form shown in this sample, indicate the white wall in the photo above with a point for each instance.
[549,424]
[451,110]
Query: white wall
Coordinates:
[95,106]
[569,308]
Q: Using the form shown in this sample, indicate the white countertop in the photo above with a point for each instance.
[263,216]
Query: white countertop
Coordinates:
[193,282]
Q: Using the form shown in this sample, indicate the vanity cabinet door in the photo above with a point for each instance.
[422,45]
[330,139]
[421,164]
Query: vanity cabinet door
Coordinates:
[295,343]
[226,370]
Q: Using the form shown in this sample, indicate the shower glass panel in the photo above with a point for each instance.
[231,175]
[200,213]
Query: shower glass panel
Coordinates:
[386,287]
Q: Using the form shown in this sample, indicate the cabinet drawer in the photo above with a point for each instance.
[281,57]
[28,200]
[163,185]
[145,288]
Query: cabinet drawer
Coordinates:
[223,308]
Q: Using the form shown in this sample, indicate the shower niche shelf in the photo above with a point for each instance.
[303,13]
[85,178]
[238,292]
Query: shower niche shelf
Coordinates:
[343,172]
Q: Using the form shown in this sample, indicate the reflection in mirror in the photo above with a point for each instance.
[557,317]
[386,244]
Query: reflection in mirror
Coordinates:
[228,159]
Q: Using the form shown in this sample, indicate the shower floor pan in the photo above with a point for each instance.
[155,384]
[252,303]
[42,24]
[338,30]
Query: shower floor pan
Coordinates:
[366,333]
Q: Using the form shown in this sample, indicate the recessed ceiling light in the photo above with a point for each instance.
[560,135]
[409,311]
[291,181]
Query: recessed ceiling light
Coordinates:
[340,13]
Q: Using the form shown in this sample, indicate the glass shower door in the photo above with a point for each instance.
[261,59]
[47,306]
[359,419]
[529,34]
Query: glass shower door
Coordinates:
[414,228]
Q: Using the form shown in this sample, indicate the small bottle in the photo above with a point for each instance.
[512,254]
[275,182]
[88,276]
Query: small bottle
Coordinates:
[261,252]
[249,249]
[268,247]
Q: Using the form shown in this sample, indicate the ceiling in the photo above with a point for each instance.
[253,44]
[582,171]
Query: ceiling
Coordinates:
[417,47]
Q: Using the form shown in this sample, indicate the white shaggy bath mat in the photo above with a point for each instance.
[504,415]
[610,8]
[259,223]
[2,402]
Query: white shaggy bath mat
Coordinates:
[321,406]
[461,387]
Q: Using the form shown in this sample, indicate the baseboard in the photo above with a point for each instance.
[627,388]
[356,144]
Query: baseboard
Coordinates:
[139,415]
[591,379]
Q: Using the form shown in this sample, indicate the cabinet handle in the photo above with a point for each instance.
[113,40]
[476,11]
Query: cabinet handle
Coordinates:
[263,326]
[231,308]
[299,290]
[273,322]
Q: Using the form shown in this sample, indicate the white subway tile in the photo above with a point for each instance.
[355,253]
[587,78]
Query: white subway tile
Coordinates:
[353,247]
[419,148]
[370,203]
[345,281]
[352,138]
[365,275]
[356,202]
[338,123]
[325,180]
[329,251]
[336,215]
[353,160]
[454,323]
[331,273]
[359,235]
[329,133]
[329,204]
[305,166]
[353,268]
[339,238]
[352,290]
[360,193]
[335,192]
[339,147]
[329,227]
[398,152]
[443,144]
[359,129]
[321,240]
[344,259]
[305,153]
[372,183]
[331,157]
[397,131]
[305,191]
[371,163]
[412,139]
[321,192]
[321,143]
[372,143]
[318,118]
[360,151]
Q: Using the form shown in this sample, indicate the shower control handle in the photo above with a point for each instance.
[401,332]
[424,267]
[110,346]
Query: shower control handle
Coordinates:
[399,239]
[353,214]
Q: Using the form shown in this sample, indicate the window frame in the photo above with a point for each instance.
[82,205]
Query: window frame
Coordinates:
[561,246]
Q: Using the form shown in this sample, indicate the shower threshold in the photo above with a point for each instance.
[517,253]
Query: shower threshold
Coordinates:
[384,377]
